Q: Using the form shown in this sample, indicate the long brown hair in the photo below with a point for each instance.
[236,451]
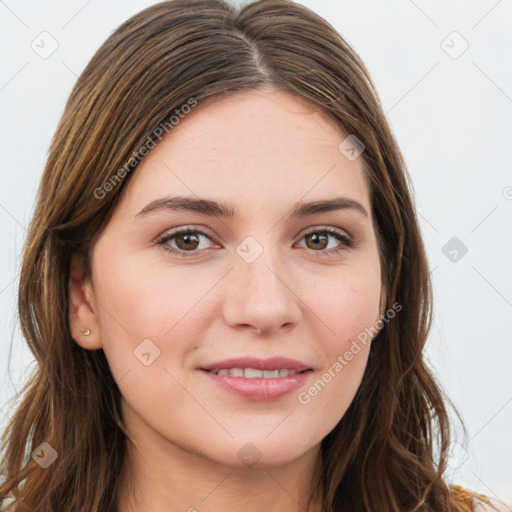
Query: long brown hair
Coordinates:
[388,451]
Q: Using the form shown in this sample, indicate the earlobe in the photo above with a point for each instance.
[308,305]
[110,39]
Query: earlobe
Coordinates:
[83,320]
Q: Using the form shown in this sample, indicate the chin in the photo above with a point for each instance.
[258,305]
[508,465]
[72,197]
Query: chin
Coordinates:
[264,453]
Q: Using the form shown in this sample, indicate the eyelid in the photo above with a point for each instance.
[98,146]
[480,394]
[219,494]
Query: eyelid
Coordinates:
[211,234]
[345,240]
[188,229]
[172,233]
[330,229]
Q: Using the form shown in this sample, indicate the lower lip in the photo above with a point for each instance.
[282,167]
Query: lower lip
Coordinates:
[260,390]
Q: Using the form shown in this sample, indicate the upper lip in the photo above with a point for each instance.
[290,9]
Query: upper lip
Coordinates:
[273,363]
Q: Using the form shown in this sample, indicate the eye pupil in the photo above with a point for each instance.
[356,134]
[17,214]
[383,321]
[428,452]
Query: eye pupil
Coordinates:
[187,237]
[317,238]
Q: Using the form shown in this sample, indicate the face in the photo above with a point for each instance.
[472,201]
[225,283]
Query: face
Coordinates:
[271,293]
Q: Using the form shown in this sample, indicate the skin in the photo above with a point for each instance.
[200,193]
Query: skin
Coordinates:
[260,151]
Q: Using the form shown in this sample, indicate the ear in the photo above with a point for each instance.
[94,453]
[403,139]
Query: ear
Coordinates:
[383,301]
[82,307]
[382,308]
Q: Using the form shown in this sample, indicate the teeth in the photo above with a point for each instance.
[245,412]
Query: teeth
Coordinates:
[236,372]
[253,373]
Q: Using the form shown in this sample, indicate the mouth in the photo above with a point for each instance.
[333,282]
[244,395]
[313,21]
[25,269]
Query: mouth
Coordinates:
[255,373]
[256,368]
[260,380]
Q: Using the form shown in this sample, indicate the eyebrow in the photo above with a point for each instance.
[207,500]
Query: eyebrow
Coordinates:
[219,209]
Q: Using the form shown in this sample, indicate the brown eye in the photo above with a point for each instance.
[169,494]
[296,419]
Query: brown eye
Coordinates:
[184,241]
[187,241]
[318,241]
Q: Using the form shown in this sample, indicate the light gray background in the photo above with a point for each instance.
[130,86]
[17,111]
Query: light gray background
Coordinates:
[453,121]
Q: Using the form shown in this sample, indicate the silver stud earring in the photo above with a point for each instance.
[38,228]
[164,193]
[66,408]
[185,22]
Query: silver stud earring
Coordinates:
[85,332]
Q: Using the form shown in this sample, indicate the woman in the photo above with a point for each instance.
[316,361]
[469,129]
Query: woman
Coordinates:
[276,363]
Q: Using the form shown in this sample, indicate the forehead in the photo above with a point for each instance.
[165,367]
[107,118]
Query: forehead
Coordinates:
[253,147]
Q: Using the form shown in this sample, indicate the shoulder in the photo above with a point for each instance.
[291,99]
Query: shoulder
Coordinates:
[476,502]
[481,506]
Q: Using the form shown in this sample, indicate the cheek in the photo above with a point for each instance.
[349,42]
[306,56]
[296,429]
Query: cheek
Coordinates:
[145,296]
[347,305]
[139,300]
[346,301]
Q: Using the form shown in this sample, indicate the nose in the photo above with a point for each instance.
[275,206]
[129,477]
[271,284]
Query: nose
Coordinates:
[261,296]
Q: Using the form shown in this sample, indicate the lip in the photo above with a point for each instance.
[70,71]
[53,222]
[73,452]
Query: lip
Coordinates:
[273,363]
[259,390]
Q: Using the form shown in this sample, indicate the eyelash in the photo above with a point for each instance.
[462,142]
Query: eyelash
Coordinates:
[346,242]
